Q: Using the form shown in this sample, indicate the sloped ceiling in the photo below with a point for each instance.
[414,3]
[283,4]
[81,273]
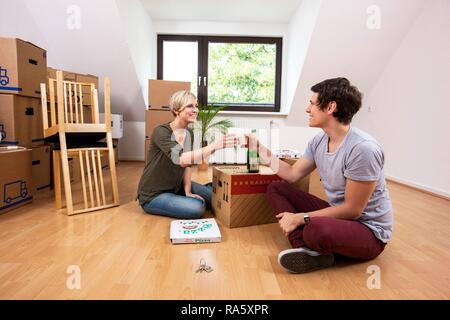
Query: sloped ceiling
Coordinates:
[343,45]
[98,47]
[256,11]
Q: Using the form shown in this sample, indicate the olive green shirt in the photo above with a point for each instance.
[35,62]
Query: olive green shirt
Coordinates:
[163,173]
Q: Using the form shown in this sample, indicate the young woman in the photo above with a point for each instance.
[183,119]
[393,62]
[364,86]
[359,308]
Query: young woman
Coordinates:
[356,221]
[165,187]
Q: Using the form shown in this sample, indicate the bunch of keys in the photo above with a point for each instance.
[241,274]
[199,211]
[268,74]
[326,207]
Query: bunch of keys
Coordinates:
[203,267]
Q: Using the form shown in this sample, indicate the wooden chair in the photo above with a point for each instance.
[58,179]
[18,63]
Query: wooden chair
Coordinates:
[75,136]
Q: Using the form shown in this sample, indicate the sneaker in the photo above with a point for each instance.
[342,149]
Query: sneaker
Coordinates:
[302,260]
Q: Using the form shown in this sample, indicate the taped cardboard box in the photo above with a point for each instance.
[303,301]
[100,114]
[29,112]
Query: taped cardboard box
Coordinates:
[15,179]
[21,121]
[40,167]
[22,67]
[160,91]
[239,198]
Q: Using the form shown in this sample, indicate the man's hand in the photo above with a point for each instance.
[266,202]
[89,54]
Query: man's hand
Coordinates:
[196,196]
[290,221]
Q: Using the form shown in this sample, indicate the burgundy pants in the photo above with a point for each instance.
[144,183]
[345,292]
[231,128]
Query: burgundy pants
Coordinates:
[348,238]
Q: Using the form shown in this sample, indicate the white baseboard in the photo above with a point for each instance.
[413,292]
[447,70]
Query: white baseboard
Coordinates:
[438,192]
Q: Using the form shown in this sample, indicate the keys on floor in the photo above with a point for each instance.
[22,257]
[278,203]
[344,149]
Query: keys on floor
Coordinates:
[203,267]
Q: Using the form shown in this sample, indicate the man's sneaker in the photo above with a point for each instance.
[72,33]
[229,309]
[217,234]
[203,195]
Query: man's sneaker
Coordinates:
[302,260]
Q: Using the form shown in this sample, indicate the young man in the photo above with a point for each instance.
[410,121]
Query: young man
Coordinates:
[356,221]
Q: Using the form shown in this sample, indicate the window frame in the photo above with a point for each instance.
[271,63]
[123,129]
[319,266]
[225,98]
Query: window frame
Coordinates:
[203,48]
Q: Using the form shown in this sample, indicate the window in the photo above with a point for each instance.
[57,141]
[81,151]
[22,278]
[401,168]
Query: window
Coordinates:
[241,73]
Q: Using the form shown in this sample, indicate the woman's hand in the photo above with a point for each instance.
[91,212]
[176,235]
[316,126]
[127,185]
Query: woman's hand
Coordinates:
[227,141]
[196,196]
[289,221]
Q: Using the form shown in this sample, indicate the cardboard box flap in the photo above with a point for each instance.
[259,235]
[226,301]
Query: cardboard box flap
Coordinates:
[27,42]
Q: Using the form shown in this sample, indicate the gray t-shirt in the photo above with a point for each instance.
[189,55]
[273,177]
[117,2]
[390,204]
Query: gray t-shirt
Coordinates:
[358,158]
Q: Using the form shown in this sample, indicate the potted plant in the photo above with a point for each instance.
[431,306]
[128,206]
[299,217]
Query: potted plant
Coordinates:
[207,126]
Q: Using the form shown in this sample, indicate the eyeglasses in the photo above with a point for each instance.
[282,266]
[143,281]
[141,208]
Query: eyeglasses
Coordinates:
[190,106]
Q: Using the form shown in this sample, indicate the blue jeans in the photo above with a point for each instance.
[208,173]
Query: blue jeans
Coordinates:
[179,206]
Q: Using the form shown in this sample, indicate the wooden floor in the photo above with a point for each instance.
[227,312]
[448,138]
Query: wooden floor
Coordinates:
[123,253]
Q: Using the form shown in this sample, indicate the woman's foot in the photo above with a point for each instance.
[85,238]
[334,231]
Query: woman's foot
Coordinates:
[302,260]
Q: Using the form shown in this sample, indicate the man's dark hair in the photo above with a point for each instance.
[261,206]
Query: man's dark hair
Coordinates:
[347,97]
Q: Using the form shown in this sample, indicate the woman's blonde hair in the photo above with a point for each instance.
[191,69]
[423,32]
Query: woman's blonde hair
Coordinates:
[181,99]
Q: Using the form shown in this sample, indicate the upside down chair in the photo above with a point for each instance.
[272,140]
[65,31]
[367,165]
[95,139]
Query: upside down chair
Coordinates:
[75,134]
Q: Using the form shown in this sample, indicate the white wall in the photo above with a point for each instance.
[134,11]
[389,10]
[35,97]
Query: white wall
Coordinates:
[141,37]
[141,40]
[300,32]
[343,45]
[409,103]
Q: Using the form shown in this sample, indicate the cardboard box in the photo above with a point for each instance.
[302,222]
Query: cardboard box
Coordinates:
[15,179]
[87,114]
[22,67]
[160,91]
[67,75]
[74,170]
[315,185]
[77,77]
[239,198]
[21,121]
[116,124]
[154,118]
[87,78]
[40,167]
[147,148]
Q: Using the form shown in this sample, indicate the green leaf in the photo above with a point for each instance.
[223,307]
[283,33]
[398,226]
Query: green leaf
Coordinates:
[206,115]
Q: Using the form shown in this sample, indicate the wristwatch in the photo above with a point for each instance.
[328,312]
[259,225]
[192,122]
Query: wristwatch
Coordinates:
[306,218]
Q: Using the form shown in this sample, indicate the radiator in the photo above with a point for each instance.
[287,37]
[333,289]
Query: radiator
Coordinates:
[238,155]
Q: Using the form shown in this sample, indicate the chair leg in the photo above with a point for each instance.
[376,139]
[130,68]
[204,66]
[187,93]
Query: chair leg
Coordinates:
[57,178]
[112,167]
[66,173]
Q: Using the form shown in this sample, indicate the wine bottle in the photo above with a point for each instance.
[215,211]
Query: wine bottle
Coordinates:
[252,157]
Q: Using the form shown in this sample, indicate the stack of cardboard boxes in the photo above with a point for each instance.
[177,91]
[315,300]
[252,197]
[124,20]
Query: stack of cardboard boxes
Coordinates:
[25,161]
[158,112]
[22,171]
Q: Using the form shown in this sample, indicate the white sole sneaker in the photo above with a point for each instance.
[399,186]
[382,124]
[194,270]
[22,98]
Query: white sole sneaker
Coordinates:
[302,260]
